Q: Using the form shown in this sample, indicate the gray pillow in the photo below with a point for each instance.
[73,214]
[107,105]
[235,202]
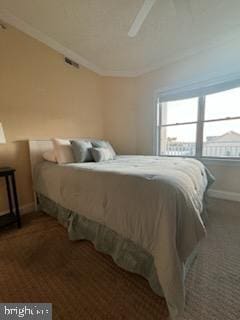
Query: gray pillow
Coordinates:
[81,150]
[104,144]
[101,154]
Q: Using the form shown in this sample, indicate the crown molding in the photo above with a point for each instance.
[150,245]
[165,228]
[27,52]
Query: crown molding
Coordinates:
[218,44]
[7,17]
[21,25]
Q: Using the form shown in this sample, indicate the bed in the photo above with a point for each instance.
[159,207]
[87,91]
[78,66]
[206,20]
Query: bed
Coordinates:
[145,211]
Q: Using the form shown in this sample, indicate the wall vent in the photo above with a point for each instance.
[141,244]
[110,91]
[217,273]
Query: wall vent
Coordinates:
[2,25]
[71,62]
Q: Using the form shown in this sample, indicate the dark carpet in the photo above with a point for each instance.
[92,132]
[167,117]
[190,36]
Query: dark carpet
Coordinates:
[39,264]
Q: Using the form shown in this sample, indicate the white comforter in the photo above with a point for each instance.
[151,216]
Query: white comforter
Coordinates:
[156,202]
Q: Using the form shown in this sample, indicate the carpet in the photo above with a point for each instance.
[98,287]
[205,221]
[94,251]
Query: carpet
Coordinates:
[39,264]
[213,283]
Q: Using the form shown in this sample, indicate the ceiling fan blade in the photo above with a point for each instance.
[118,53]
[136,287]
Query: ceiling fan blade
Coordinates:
[141,16]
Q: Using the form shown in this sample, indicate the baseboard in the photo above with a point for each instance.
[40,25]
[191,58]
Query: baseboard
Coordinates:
[225,195]
[218,194]
[26,208]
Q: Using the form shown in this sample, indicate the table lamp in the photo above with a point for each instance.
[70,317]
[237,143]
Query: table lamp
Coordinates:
[2,135]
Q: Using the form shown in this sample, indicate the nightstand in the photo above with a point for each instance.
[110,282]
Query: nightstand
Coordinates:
[14,215]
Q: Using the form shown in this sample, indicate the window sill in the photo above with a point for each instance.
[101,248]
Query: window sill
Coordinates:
[227,162]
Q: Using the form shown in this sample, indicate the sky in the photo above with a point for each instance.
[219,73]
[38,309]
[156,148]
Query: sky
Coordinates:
[218,105]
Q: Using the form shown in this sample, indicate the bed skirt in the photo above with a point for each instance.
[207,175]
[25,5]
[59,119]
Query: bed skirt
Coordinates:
[124,252]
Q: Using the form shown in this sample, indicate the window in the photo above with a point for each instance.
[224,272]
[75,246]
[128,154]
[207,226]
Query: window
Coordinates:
[206,126]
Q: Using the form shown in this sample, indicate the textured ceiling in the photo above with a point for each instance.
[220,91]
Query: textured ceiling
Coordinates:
[96,30]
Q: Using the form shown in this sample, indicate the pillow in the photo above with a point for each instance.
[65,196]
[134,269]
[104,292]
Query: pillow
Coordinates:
[104,144]
[101,154]
[63,150]
[50,156]
[81,150]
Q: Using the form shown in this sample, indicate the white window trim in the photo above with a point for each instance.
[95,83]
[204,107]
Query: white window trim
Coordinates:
[184,93]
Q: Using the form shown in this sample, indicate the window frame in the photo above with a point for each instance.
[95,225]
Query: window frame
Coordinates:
[199,129]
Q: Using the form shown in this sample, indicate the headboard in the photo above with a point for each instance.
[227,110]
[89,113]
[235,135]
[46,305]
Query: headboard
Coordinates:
[36,150]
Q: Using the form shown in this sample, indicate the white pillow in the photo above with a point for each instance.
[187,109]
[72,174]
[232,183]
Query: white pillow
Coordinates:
[63,151]
[50,156]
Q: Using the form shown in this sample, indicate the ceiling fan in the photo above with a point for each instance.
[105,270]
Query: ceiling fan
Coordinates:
[142,15]
[140,18]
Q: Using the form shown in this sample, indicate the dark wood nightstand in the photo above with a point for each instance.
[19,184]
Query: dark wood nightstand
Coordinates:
[14,215]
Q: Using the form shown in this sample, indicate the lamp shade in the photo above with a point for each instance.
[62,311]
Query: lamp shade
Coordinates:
[2,135]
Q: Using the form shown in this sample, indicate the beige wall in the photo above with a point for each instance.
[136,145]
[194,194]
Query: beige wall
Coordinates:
[41,97]
[120,111]
[129,106]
